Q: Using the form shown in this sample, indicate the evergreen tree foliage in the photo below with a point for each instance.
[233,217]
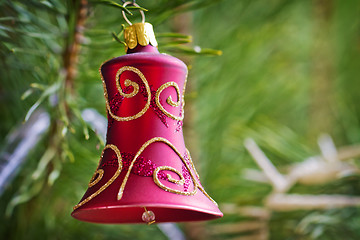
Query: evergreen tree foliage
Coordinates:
[288,73]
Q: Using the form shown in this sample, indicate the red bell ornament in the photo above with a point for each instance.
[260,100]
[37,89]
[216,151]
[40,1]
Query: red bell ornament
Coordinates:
[145,173]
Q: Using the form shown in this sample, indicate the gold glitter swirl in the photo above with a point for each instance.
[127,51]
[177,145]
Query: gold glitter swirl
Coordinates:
[111,180]
[192,163]
[168,168]
[169,177]
[126,83]
[99,173]
[129,95]
[157,181]
[183,96]
[179,182]
[169,100]
[199,186]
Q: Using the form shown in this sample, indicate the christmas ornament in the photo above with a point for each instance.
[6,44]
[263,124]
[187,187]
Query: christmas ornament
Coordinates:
[145,173]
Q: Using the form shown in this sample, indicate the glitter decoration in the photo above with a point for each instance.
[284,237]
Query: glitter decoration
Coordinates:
[187,179]
[169,99]
[112,162]
[152,98]
[134,163]
[155,175]
[136,89]
[114,103]
[94,180]
[179,123]
[154,106]
[111,180]
[186,173]
[144,97]
[170,178]
[157,110]
[127,83]
[188,160]
[144,167]
[158,169]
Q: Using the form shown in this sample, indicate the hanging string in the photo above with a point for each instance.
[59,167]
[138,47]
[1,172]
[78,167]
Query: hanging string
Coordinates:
[136,5]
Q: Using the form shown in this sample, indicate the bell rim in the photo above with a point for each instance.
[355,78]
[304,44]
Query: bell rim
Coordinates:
[190,213]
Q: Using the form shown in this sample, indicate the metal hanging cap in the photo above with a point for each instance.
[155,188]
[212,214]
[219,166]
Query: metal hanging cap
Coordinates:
[136,5]
[138,33]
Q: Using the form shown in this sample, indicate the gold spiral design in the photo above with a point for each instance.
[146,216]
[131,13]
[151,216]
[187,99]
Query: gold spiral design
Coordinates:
[180,181]
[155,177]
[170,179]
[128,95]
[169,100]
[100,174]
[127,83]
[111,180]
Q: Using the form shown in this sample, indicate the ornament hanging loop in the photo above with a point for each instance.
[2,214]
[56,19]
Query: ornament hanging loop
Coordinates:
[136,5]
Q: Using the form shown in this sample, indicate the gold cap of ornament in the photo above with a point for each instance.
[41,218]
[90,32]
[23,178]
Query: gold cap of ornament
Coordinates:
[139,33]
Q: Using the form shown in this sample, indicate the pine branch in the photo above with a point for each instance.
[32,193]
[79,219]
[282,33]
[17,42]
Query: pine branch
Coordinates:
[72,47]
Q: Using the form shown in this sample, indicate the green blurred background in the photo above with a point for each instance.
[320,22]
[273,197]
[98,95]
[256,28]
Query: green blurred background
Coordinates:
[289,72]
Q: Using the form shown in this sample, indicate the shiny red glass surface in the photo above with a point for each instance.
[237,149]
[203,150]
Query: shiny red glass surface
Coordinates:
[129,136]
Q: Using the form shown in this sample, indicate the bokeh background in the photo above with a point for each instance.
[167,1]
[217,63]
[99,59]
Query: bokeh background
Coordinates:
[288,78]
